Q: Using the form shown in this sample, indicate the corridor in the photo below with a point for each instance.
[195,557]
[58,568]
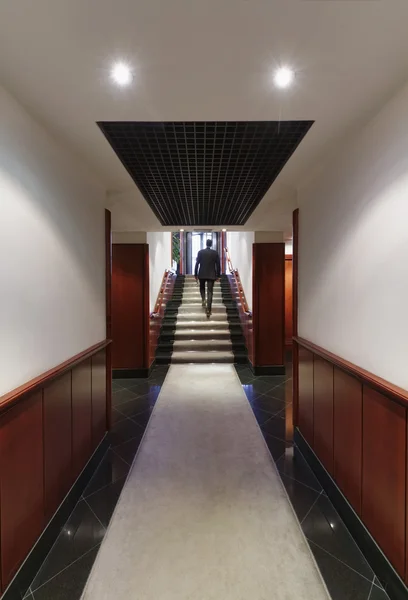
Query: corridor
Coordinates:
[202,445]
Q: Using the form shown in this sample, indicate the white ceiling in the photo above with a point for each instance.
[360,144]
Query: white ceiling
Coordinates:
[202,60]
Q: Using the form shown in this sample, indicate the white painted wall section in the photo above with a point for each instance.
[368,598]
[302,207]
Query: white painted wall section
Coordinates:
[52,263]
[240,247]
[159,261]
[353,249]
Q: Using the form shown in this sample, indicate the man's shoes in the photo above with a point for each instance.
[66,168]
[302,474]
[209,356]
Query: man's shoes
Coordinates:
[208,314]
[203,304]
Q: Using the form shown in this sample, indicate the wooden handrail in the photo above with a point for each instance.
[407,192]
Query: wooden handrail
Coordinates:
[238,281]
[160,296]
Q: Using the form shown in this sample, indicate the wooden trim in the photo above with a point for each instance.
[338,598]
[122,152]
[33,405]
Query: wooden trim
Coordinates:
[381,385]
[11,398]
[295,352]
[108,295]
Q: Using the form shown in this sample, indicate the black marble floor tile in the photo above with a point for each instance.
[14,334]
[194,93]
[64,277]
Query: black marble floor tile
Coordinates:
[116,387]
[136,406]
[324,527]
[260,387]
[70,583]
[117,416]
[104,501]
[275,426]
[276,446]
[144,387]
[82,532]
[246,376]
[260,415]
[293,465]
[126,383]
[378,594]
[128,450]
[124,431]
[302,498]
[272,381]
[281,392]
[343,583]
[122,396]
[143,418]
[112,468]
[268,404]
[250,393]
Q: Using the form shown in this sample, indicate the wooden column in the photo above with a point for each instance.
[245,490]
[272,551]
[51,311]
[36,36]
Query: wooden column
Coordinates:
[295,348]
[223,246]
[130,310]
[268,283]
[108,295]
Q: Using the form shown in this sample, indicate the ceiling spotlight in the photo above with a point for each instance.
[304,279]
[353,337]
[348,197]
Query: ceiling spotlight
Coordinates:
[283,77]
[181,230]
[224,230]
[121,74]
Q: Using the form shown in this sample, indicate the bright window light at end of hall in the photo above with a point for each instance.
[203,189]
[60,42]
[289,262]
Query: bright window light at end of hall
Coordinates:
[121,74]
[283,77]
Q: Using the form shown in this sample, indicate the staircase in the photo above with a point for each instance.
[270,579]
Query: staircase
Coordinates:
[188,336]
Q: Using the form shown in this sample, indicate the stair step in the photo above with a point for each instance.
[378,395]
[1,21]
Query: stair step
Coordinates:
[201,316]
[203,345]
[185,334]
[182,357]
[188,309]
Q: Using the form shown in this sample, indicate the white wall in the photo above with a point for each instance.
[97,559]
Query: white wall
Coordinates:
[52,266]
[353,249]
[240,247]
[159,261]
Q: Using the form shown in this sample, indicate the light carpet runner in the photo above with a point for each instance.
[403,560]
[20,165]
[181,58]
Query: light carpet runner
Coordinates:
[203,514]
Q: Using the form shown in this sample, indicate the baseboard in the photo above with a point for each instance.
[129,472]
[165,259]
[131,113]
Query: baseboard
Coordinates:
[269,370]
[130,373]
[28,570]
[389,578]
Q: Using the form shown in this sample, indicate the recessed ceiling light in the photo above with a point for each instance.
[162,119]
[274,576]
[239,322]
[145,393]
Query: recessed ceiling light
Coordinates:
[224,230]
[121,74]
[283,77]
[181,230]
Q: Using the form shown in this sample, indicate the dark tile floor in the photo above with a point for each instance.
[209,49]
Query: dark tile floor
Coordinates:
[66,568]
[347,574]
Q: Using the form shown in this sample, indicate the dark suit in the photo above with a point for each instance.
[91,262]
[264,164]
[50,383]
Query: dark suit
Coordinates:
[207,269]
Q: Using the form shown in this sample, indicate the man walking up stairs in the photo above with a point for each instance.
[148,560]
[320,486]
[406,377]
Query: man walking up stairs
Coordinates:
[207,270]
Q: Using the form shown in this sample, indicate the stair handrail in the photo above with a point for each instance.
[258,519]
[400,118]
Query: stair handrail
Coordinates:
[168,273]
[238,282]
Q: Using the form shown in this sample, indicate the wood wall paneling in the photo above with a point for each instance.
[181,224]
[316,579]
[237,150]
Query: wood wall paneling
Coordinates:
[269,304]
[305,408]
[57,442]
[128,306]
[288,300]
[98,397]
[21,482]
[81,415]
[323,412]
[348,408]
[384,474]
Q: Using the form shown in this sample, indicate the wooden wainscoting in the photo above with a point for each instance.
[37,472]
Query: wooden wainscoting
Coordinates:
[49,429]
[288,300]
[356,424]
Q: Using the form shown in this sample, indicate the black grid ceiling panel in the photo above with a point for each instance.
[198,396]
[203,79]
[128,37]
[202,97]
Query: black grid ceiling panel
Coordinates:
[204,173]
